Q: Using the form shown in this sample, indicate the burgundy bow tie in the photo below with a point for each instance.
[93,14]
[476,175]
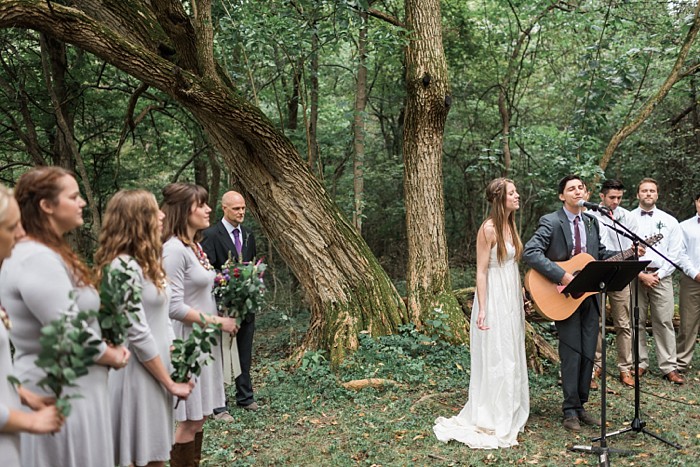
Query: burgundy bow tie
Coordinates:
[647,213]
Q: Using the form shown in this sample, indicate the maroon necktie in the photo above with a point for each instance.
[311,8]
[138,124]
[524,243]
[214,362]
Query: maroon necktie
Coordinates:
[577,236]
[647,213]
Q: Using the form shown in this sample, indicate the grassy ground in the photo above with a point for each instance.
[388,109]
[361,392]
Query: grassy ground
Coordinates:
[308,419]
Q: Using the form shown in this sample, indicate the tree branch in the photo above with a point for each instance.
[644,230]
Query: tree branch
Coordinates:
[674,76]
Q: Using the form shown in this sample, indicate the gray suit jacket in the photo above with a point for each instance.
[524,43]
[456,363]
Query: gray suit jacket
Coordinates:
[552,242]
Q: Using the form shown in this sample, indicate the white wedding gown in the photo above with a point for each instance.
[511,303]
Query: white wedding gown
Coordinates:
[499,402]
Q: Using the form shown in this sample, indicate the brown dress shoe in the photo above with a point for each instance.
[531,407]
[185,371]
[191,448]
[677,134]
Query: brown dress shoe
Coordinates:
[588,419]
[597,372]
[674,377]
[641,371]
[626,378]
[594,385]
[571,424]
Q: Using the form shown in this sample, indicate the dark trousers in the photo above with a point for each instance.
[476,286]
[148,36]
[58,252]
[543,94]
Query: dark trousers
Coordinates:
[577,343]
[244,339]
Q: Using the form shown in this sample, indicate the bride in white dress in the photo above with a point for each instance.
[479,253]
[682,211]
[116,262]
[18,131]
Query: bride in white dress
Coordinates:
[499,403]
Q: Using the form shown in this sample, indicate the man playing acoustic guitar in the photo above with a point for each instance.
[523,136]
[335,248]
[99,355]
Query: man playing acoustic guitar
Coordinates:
[560,236]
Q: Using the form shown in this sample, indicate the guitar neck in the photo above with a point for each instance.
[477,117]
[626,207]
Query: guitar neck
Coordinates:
[623,255]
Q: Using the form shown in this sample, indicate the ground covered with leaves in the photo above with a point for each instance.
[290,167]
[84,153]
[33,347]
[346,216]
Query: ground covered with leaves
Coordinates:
[308,418]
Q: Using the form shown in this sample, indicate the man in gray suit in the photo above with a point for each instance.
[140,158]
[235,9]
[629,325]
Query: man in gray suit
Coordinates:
[559,236]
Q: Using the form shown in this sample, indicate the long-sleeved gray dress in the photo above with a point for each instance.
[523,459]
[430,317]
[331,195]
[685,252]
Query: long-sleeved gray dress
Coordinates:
[36,284]
[192,288]
[142,409]
[9,400]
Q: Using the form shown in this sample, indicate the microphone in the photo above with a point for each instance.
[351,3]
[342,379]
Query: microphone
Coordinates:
[596,207]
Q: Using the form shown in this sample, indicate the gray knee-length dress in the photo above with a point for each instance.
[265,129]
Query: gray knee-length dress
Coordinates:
[142,409]
[192,288]
[36,284]
[9,400]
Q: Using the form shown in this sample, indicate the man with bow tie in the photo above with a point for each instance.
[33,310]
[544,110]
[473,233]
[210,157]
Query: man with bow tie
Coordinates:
[655,291]
[229,237]
[689,296]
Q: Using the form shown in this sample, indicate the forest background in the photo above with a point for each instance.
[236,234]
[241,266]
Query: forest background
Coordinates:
[320,93]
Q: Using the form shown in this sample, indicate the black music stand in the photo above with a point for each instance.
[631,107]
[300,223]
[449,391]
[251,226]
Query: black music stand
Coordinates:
[603,277]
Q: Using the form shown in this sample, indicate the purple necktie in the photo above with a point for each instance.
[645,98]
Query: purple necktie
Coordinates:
[237,241]
[647,213]
[577,237]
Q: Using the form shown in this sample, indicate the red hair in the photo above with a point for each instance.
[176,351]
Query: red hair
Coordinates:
[45,183]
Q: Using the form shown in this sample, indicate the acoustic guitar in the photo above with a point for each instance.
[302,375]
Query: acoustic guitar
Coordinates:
[553,305]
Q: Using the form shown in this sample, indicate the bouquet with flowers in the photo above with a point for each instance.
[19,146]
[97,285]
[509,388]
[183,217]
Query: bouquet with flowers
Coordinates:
[239,288]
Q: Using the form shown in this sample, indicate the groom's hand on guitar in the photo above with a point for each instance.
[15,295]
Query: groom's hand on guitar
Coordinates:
[568,277]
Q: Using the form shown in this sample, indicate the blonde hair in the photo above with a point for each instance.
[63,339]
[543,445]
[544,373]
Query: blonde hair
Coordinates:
[130,227]
[496,194]
[5,198]
[45,183]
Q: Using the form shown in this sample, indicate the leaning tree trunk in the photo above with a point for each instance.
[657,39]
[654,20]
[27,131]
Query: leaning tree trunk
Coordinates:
[427,104]
[159,43]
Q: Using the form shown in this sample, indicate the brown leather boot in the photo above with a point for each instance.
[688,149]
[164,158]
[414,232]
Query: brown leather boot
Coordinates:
[182,455]
[198,447]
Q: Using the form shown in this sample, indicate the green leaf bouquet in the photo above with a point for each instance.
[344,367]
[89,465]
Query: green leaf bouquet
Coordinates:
[120,297]
[68,349]
[189,356]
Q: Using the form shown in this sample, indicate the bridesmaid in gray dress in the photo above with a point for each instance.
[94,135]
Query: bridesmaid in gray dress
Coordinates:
[141,394]
[45,417]
[192,278]
[36,282]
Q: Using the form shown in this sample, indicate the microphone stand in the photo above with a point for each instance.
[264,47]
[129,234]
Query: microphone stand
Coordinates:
[637,425]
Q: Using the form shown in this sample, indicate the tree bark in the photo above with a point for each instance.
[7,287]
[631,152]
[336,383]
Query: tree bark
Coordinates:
[348,290]
[427,104]
[359,125]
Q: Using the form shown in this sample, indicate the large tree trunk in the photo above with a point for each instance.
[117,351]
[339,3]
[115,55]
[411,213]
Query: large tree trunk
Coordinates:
[428,102]
[348,290]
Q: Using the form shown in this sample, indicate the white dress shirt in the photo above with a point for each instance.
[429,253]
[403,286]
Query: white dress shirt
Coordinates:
[690,255]
[671,245]
[611,239]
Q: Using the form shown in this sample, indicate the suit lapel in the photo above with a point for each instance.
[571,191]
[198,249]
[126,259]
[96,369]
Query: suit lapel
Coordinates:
[566,230]
[225,239]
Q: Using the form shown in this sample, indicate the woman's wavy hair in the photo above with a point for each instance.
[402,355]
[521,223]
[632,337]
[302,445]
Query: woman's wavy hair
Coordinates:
[45,183]
[177,205]
[496,194]
[130,226]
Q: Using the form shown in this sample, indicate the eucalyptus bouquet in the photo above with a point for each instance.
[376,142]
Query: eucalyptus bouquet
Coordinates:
[68,348]
[239,288]
[119,297]
[190,355]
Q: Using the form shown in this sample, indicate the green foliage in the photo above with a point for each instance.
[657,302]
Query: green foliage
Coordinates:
[120,297]
[409,357]
[239,288]
[68,349]
[190,355]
